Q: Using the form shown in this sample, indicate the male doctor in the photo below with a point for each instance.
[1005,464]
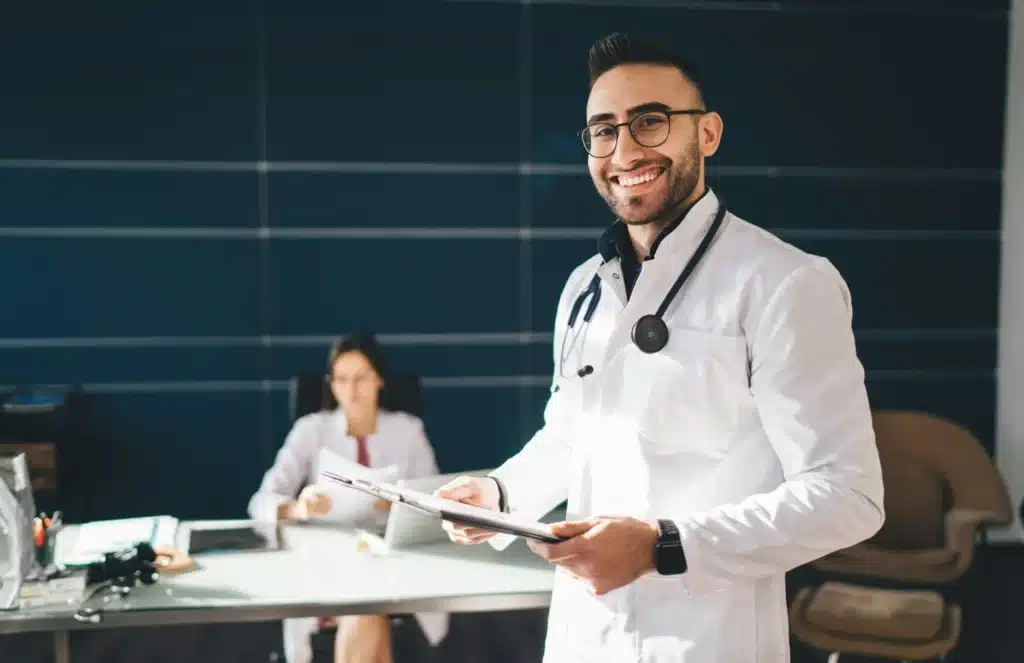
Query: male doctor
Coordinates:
[707,440]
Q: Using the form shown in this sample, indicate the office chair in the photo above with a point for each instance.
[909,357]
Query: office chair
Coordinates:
[311,393]
[885,597]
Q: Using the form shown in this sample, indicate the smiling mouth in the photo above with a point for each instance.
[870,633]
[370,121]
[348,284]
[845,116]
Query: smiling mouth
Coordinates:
[639,180]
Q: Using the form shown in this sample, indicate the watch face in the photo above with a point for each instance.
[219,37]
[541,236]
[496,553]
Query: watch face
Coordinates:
[670,559]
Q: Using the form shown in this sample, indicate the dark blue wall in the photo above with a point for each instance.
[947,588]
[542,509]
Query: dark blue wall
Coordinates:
[147,255]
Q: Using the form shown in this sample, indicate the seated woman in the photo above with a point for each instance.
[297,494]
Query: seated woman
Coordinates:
[357,430]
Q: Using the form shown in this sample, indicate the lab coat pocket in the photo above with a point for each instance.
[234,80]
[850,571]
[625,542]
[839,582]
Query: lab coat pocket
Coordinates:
[695,387]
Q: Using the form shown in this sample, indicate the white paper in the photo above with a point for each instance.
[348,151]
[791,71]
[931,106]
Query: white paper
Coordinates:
[92,540]
[351,506]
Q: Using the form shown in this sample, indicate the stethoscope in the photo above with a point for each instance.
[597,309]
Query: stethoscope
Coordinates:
[650,333]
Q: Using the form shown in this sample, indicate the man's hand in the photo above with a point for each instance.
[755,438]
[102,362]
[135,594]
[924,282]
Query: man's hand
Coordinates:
[312,501]
[478,491]
[605,553]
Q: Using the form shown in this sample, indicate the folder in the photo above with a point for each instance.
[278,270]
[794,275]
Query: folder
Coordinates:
[450,510]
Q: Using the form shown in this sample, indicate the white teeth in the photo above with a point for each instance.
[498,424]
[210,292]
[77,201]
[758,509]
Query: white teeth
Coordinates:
[633,181]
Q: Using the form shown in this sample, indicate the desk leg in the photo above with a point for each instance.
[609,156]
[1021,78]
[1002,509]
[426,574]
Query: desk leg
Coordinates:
[61,647]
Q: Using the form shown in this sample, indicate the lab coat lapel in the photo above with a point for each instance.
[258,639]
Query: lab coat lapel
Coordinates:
[610,274]
[651,286]
[658,274]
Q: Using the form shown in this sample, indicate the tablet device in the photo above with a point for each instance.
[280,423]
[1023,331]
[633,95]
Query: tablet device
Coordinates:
[241,537]
[455,512]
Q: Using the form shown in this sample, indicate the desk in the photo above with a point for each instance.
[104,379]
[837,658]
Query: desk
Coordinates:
[319,572]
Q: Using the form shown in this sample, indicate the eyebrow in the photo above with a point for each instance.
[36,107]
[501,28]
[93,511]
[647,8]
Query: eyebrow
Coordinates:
[646,107]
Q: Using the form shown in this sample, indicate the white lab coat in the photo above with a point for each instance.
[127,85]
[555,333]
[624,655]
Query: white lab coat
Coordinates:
[751,430]
[400,440]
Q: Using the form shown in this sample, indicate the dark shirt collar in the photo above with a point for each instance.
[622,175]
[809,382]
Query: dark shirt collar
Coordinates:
[615,240]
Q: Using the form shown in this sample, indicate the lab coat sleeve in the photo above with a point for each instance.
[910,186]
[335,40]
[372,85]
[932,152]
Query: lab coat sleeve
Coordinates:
[809,389]
[536,479]
[292,467]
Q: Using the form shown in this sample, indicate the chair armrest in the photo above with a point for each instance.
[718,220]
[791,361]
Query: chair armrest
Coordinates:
[936,565]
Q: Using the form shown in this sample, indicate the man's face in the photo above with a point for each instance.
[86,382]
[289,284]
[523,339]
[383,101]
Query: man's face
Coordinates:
[646,184]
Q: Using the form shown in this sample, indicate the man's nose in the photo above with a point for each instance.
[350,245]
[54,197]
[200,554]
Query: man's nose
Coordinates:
[627,151]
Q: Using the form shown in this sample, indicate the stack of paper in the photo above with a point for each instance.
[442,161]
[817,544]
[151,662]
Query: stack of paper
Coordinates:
[351,506]
[90,541]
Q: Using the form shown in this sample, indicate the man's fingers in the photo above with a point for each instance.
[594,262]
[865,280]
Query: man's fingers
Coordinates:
[572,528]
[460,489]
[461,534]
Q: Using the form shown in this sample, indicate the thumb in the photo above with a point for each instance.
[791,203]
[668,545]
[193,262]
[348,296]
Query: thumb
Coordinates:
[463,488]
[570,528]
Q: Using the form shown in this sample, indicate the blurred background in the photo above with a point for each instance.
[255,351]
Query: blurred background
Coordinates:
[196,198]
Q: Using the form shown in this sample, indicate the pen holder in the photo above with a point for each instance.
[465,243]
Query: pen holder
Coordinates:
[46,553]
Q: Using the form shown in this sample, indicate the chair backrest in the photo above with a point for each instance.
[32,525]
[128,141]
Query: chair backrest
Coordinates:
[931,465]
[310,393]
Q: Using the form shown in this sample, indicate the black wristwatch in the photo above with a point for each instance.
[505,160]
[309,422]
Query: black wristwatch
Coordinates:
[669,558]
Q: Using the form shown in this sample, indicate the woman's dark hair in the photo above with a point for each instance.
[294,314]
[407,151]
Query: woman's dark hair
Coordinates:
[363,342]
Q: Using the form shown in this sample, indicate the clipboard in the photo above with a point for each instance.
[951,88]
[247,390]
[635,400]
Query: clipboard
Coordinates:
[450,510]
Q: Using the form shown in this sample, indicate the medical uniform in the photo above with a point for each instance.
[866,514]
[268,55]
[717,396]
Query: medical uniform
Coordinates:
[400,441]
[750,430]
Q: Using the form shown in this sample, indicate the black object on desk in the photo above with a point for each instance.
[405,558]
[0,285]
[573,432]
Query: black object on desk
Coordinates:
[233,539]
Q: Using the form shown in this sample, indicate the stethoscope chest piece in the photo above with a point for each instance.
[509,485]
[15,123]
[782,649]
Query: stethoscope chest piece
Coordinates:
[650,333]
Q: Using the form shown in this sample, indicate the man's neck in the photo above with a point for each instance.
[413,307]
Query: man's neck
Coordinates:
[643,236]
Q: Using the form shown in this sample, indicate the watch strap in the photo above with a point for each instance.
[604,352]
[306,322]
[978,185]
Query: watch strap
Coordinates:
[669,556]
[502,495]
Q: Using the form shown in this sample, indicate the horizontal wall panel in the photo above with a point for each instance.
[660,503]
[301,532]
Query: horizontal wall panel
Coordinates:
[469,428]
[829,203]
[552,263]
[436,88]
[917,7]
[78,364]
[965,400]
[130,80]
[393,286]
[382,201]
[981,9]
[117,199]
[190,455]
[916,284]
[894,284]
[441,360]
[813,102]
[130,287]
[473,428]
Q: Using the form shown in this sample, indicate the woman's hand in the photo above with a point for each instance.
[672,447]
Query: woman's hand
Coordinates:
[312,501]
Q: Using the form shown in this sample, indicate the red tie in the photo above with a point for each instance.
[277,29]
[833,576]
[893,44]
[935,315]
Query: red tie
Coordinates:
[364,455]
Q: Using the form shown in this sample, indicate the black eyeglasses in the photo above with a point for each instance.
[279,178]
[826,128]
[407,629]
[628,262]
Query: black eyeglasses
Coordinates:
[649,129]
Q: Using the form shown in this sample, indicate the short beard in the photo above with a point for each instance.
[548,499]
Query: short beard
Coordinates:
[685,174]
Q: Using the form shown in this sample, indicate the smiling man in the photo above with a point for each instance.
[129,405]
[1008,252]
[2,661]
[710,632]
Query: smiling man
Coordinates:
[708,420]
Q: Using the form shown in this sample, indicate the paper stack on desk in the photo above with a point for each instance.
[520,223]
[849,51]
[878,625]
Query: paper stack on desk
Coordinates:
[90,541]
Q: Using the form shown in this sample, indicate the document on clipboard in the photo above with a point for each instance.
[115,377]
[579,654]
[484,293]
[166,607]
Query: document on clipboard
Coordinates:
[450,510]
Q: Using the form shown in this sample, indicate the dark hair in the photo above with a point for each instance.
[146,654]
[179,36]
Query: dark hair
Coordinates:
[363,342]
[618,49]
